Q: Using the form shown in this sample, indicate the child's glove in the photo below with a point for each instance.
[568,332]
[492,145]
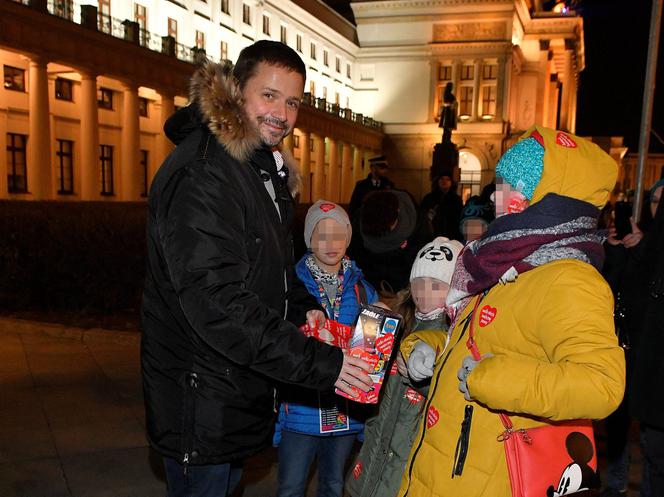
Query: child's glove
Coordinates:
[467,365]
[420,362]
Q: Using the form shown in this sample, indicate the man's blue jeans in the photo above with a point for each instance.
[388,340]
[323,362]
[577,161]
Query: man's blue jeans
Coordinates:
[297,452]
[210,480]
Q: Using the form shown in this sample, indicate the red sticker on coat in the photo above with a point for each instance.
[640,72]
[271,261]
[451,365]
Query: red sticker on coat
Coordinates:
[432,417]
[565,141]
[487,314]
[327,207]
[394,369]
[413,397]
[385,343]
[357,470]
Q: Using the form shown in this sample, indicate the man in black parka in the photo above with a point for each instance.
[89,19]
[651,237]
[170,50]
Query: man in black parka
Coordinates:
[221,303]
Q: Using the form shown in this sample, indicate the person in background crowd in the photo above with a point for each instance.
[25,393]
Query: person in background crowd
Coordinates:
[304,431]
[646,401]
[542,316]
[383,243]
[443,208]
[376,180]
[475,219]
[220,295]
[379,466]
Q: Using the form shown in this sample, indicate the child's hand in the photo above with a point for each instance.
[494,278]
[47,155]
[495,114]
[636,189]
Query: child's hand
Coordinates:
[467,365]
[401,365]
[421,361]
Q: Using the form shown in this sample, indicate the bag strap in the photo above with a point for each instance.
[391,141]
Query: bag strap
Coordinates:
[475,352]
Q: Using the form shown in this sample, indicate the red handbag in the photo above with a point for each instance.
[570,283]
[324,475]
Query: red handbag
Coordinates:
[547,461]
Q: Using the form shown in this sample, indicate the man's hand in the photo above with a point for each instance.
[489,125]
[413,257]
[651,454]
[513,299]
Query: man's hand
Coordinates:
[612,239]
[420,362]
[354,373]
[315,319]
[635,237]
[467,365]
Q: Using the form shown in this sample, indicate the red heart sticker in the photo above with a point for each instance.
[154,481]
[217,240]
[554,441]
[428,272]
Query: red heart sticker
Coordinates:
[413,397]
[327,207]
[371,397]
[565,141]
[487,314]
[385,343]
[394,369]
[357,470]
[432,417]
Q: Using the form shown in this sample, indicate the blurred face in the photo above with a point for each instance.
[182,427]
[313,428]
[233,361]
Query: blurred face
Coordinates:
[445,183]
[473,229]
[271,99]
[429,294]
[328,244]
[654,201]
[508,200]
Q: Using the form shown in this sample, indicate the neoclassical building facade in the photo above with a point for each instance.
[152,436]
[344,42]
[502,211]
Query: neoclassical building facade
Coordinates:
[87,87]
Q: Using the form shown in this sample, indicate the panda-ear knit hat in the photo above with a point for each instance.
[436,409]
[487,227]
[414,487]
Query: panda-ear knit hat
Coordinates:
[436,260]
[324,209]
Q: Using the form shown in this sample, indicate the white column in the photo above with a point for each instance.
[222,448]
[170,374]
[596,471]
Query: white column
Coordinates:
[500,88]
[40,182]
[89,143]
[566,99]
[305,166]
[318,188]
[333,172]
[164,145]
[358,172]
[346,173]
[475,114]
[130,173]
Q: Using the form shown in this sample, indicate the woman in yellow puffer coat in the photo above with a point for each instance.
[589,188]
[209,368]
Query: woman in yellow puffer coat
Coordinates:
[544,324]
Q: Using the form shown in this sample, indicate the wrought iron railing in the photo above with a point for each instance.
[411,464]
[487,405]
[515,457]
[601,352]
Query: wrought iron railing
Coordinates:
[131,31]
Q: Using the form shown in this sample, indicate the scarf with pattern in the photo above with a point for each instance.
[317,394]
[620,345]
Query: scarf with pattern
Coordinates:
[555,228]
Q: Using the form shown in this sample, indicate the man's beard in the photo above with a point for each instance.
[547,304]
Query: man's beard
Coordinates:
[270,137]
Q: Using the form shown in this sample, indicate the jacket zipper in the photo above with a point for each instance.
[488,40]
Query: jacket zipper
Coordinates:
[430,400]
[191,385]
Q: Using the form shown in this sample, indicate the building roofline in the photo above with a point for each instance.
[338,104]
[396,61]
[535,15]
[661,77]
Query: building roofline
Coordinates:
[330,17]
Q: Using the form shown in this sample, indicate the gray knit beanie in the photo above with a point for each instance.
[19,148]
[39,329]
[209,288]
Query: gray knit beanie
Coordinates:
[321,210]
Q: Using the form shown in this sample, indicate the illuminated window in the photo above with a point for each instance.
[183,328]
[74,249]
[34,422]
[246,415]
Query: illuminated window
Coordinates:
[200,40]
[326,62]
[445,73]
[64,173]
[246,14]
[266,25]
[14,78]
[224,50]
[467,72]
[324,92]
[106,164]
[143,107]
[17,177]
[337,64]
[298,43]
[489,71]
[225,8]
[284,35]
[296,141]
[173,28]
[465,101]
[313,51]
[144,173]
[64,89]
[104,16]
[64,9]
[348,70]
[337,97]
[488,102]
[141,17]
[312,88]
[105,98]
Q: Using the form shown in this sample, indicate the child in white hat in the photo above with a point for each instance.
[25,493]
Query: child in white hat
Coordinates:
[389,436]
[320,426]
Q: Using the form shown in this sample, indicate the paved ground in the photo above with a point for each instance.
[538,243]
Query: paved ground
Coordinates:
[71,412]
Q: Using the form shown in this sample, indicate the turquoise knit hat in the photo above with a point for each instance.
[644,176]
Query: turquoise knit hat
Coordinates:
[522,165]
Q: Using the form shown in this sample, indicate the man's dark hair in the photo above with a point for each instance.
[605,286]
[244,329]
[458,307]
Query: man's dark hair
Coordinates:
[271,52]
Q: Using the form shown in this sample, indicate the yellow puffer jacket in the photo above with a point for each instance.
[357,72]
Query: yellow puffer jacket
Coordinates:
[555,352]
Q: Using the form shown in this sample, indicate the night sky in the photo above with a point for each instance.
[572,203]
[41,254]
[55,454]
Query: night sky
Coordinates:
[611,86]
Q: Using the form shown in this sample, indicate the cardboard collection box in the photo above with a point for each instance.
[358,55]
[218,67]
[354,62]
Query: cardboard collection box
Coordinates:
[373,341]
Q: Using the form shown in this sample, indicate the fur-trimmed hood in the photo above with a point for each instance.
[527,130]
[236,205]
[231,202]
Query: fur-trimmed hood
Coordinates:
[216,100]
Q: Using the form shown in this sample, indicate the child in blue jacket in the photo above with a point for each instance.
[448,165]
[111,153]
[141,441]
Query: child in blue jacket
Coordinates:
[319,425]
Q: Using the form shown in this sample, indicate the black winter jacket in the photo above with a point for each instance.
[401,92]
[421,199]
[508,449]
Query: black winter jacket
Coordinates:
[215,339]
